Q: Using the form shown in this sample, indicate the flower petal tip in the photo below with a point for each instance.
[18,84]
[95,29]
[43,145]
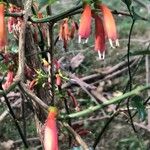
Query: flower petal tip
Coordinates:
[111,43]
[85,41]
[101,55]
[79,39]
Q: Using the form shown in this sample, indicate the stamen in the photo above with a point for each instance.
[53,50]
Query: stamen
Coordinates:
[79,39]
[101,55]
[117,43]
[86,40]
[111,43]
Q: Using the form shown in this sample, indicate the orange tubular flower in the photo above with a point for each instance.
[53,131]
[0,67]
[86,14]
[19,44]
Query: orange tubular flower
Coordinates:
[99,37]
[109,25]
[85,23]
[50,133]
[2,26]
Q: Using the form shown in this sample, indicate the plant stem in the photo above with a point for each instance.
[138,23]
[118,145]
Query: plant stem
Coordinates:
[111,101]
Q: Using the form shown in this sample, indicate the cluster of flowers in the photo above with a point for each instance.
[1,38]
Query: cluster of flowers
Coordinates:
[14,24]
[65,32]
[104,28]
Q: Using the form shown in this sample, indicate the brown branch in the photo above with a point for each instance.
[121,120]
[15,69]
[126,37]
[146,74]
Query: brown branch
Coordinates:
[33,96]
[21,49]
[50,43]
[139,125]
[84,86]
[76,136]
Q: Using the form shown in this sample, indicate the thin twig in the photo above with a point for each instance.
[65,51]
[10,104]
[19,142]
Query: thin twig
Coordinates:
[69,120]
[129,71]
[50,55]
[76,136]
[34,97]
[104,129]
[15,121]
[84,86]
[6,112]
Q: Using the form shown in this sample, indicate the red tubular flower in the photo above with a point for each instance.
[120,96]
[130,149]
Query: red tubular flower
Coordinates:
[74,27]
[2,26]
[9,80]
[66,30]
[99,37]
[58,80]
[109,25]
[64,33]
[61,31]
[85,23]
[32,84]
[57,64]
[50,132]
[74,100]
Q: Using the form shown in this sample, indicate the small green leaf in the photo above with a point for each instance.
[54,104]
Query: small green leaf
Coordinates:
[138,103]
[127,2]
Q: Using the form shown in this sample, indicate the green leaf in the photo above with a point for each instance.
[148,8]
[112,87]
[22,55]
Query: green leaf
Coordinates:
[127,2]
[3,67]
[137,102]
